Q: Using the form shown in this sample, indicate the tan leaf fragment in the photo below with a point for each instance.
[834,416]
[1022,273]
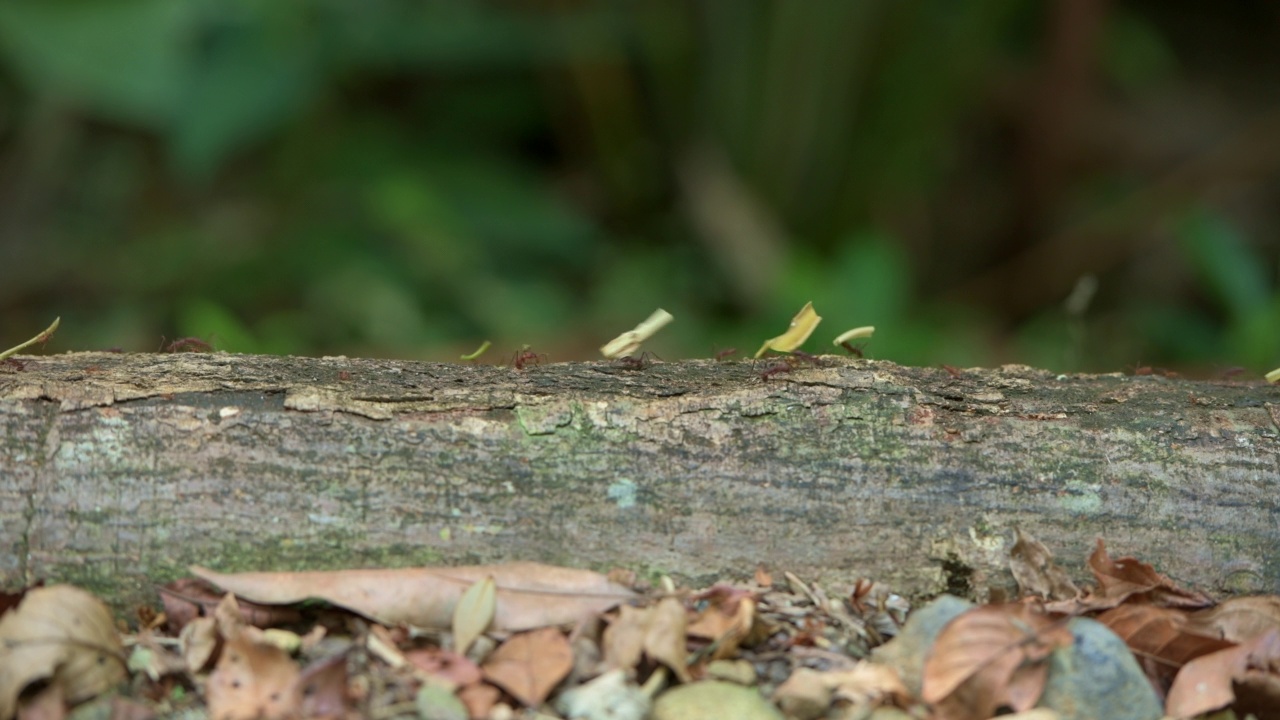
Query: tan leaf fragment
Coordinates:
[628,343]
[529,595]
[253,681]
[530,664]
[657,631]
[63,635]
[473,614]
[1032,565]
[802,326]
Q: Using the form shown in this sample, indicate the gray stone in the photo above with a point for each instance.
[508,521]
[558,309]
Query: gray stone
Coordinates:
[1097,677]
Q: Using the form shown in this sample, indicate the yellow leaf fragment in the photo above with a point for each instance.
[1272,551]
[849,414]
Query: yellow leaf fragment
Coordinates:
[474,613]
[478,352]
[42,337]
[629,342]
[802,326]
[857,333]
[1273,376]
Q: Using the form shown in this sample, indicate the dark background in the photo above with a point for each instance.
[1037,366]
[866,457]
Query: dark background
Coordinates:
[407,178]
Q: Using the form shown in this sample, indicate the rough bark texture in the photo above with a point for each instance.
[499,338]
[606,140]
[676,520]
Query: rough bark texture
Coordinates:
[117,471]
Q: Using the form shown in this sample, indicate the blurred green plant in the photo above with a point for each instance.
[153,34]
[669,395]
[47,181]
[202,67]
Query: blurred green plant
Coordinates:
[405,178]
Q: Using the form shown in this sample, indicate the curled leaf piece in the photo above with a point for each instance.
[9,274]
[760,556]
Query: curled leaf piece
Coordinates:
[629,342]
[857,333]
[802,326]
[42,337]
[479,351]
[1273,376]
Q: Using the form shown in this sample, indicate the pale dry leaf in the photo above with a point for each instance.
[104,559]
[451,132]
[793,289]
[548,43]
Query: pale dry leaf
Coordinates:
[802,326]
[1239,619]
[63,635]
[665,639]
[197,642]
[628,343]
[1209,682]
[623,640]
[529,595]
[804,695]
[473,614]
[530,664]
[869,684]
[253,681]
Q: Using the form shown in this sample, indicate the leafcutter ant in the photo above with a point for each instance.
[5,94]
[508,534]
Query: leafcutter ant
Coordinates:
[952,370]
[854,350]
[724,354]
[188,344]
[633,362]
[798,357]
[774,370]
[525,357]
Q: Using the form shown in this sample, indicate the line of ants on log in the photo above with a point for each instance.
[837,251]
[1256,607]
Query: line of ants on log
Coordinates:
[526,357]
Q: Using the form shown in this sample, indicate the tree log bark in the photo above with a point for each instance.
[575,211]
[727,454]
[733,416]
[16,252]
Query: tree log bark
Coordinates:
[117,471]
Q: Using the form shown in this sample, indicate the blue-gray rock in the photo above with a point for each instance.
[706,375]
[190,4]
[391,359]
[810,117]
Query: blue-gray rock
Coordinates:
[1097,677]
[907,651]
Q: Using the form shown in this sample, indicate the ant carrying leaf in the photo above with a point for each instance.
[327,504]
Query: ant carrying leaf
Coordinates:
[42,338]
[629,342]
[801,327]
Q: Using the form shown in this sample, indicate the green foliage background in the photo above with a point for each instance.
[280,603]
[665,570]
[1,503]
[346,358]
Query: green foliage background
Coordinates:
[407,178]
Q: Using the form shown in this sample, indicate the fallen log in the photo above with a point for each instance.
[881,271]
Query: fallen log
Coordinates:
[118,471]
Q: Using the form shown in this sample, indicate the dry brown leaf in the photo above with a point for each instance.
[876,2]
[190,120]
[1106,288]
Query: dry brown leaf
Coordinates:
[253,681]
[61,634]
[971,667]
[187,599]
[473,614]
[1208,683]
[1160,633]
[479,699]
[665,639]
[530,664]
[623,641]
[434,662]
[1127,578]
[529,595]
[324,690]
[1035,571]
[1239,619]
[727,620]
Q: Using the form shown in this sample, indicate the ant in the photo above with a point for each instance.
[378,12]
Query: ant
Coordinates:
[724,354]
[525,356]
[13,364]
[632,362]
[855,350]
[952,370]
[774,370]
[188,344]
[344,375]
[798,357]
